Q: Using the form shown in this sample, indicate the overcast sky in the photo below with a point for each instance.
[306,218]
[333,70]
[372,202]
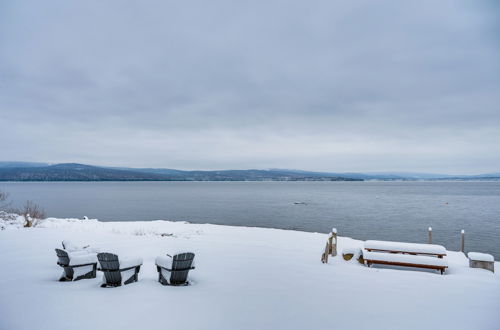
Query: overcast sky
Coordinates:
[314,85]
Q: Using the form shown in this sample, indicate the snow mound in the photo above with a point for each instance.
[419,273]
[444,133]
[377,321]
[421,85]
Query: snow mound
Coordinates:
[11,221]
[81,258]
[137,228]
[130,262]
[476,256]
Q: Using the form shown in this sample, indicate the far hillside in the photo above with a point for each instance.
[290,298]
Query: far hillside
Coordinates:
[31,171]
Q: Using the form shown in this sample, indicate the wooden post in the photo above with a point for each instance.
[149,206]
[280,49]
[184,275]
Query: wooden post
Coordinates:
[330,243]
[462,241]
[333,242]
[430,236]
[326,254]
[324,257]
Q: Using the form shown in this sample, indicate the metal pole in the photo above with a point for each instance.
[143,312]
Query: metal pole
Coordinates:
[430,235]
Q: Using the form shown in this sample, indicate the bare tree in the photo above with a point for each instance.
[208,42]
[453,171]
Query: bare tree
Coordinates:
[4,208]
[31,212]
[4,203]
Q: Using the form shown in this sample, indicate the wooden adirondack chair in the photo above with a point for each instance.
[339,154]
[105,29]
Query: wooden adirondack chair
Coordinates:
[74,262]
[174,270]
[115,269]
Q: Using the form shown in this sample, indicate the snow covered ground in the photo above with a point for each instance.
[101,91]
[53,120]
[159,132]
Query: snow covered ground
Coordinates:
[245,278]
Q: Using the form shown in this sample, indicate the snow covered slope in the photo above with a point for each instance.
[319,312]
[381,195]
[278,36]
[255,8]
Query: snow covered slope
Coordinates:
[245,278]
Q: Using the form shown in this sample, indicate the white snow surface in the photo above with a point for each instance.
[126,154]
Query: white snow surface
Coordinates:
[129,262]
[405,247]
[164,262]
[81,258]
[246,278]
[72,246]
[476,256]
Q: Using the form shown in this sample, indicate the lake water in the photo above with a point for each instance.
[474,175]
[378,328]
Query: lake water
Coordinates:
[400,211]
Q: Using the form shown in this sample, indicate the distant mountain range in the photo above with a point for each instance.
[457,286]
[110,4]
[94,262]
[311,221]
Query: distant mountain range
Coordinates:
[26,171]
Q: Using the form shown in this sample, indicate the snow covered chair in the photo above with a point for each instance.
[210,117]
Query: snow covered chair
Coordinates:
[118,271]
[174,270]
[76,265]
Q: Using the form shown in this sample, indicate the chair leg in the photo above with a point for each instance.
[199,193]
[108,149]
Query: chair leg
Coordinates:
[68,273]
[136,275]
[161,278]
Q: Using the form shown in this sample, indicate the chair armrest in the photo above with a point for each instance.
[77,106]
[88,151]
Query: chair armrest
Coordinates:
[118,270]
[176,270]
[76,266]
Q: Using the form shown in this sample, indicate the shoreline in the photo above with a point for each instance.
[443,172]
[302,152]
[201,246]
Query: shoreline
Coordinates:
[328,181]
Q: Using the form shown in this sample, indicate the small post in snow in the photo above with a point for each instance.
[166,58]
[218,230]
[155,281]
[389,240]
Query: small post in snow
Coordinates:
[324,256]
[462,241]
[430,236]
[332,241]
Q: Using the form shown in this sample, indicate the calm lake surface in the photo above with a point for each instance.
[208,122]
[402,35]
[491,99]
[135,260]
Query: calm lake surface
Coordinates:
[400,211]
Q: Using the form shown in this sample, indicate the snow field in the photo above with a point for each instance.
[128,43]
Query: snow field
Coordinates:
[245,278]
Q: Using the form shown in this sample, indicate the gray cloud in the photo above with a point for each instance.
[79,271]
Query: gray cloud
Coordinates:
[322,85]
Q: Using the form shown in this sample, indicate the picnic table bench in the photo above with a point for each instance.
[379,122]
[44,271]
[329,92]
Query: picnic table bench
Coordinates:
[405,254]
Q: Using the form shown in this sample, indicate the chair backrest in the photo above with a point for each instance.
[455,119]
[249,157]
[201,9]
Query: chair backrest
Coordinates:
[108,261]
[62,257]
[181,264]
[182,261]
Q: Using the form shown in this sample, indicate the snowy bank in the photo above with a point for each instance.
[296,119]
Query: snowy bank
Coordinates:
[245,278]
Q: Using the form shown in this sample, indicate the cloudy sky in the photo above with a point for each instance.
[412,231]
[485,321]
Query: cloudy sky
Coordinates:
[315,85]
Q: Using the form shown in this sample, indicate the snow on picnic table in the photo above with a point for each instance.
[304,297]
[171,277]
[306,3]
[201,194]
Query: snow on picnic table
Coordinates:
[404,258]
[405,247]
[246,278]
